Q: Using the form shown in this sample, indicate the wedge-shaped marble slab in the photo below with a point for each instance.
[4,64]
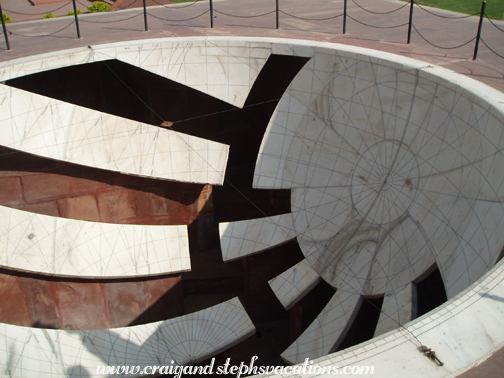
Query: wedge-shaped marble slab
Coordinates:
[58,130]
[327,330]
[243,238]
[290,286]
[59,246]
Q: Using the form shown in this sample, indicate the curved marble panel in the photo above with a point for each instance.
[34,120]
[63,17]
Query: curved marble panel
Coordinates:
[389,152]
[34,352]
[243,238]
[290,286]
[327,331]
[59,246]
[395,155]
[58,130]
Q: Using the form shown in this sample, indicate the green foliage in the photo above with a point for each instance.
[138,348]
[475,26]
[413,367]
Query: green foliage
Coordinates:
[7,18]
[49,15]
[494,8]
[98,6]
[71,13]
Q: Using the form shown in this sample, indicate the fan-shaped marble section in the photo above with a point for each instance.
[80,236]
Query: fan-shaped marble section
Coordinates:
[63,131]
[391,153]
[243,238]
[60,246]
[31,352]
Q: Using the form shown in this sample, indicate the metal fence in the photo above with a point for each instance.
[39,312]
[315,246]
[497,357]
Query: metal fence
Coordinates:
[402,19]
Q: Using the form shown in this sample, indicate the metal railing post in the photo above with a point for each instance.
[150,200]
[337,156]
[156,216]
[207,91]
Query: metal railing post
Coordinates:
[211,14]
[4,28]
[410,20]
[478,36]
[76,19]
[277,18]
[344,16]
[145,16]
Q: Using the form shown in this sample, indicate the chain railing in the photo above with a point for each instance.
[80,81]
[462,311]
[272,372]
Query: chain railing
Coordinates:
[383,18]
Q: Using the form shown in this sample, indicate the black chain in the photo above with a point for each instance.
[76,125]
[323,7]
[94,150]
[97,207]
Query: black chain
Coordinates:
[238,16]
[106,22]
[440,47]
[311,19]
[494,24]
[377,27]
[178,7]
[449,17]
[187,19]
[42,35]
[367,10]
[489,48]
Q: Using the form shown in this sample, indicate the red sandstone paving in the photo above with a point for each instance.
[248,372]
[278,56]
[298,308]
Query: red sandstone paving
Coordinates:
[83,207]
[82,305]
[11,193]
[116,205]
[154,202]
[41,302]
[14,309]
[126,301]
[45,208]
[44,186]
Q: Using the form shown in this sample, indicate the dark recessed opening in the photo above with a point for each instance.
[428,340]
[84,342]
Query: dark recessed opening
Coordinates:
[364,324]
[430,292]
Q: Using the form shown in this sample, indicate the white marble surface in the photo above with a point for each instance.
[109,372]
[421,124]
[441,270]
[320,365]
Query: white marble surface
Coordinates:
[31,352]
[59,246]
[392,167]
[243,238]
[290,286]
[58,130]
[225,69]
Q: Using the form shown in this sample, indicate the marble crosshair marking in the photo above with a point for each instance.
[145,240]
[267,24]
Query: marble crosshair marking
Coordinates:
[391,170]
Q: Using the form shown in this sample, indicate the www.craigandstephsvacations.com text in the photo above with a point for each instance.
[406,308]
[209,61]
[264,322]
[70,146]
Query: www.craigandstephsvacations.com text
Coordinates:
[238,370]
